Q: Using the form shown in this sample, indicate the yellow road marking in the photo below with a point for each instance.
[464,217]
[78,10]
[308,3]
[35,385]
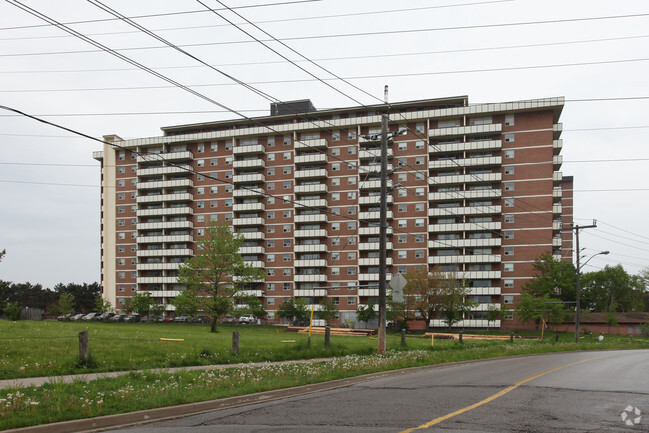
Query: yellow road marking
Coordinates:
[495,396]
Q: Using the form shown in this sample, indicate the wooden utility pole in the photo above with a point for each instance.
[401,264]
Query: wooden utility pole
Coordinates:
[383,222]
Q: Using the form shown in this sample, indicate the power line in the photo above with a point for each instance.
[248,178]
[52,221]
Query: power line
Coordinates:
[623,230]
[358,77]
[327,59]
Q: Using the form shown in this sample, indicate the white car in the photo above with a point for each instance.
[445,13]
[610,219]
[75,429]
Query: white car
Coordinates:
[247,319]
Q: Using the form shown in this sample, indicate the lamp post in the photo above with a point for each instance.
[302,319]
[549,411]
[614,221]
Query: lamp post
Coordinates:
[578,299]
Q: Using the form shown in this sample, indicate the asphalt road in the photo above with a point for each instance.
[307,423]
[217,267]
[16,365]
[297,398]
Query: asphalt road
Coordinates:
[561,392]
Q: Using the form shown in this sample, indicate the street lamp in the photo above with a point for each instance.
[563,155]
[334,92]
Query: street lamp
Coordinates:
[578,305]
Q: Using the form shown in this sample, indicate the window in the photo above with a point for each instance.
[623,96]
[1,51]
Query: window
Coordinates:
[200,191]
[287,257]
[419,222]
[351,135]
[270,258]
[419,207]
[335,226]
[270,287]
[420,128]
[200,163]
[121,196]
[509,283]
[270,272]
[509,138]
[402,239]
[270,171]
[402,223]
[351,300]
[509,267]
[509,251]
[509,169]
[287,184]
[509,120]
[287,273]
[509,202]
[335,166]
[335,135]
[419,160]
[335,151]
[351,180]
[509,234]
[420,144]
[287,228]
[419,254]
[200,204]
[270,214]
[214,162]
[402,254]
[270,157]
[201,148]
[509,186]
[270,301]
[335,181]
[228,145]
[286,141]
[351,150]
[419,238]
[351,225]
[335,196]
[419,192]
[335,271]
[213,203]
[286,156]
[403,177]
[403,145]
[270,229]
[509,153]
[287,214]
[351,195]
[214,190]
[351,210]
[121,182]
[402,208]
[287,169]
[351,255]
[228,174]
[270,186]
[509,219]
[228,202]
[351,270]
[286,286]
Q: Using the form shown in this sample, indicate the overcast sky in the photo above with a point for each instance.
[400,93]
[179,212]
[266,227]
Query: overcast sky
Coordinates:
[595,53]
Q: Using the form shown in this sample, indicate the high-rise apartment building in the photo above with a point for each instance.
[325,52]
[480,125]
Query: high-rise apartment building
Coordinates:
[475,190]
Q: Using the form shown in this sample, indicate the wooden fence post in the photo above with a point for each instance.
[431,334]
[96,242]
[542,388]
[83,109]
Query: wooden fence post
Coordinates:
[327,335]
[235,342]
[83,345]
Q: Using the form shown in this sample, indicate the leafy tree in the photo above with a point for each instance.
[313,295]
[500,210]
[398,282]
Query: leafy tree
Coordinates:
[553,277]
[141,303]
[84,294]
[65,305]
[328,310]
[157,310]
[13,310]
[2,254]
[217,270]
[187,303]
[367,313]
[496,312]
[293,309]
[530,308]
[612,289]
[102,305]
[434,293]
[251,305]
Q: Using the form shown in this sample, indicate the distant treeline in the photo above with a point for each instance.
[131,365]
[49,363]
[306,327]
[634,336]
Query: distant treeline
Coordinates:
[35,296]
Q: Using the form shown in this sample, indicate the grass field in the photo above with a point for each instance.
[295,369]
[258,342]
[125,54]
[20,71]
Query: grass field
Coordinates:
[51,348]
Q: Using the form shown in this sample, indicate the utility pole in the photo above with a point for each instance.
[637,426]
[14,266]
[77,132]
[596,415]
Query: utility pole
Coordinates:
[383,222]
[578,297]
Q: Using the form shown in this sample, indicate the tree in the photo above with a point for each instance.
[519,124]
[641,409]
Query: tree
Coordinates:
[157,310]
[367,313]
[293,309]
[328,310]
[2,254]
[141,303]
[13,310]
[84,294]
[433,293]
[250,305]
[530,308]
[187,303]
[553,277]
[103,305]
[217,271]
[64,307]
[496,312]
[612,289]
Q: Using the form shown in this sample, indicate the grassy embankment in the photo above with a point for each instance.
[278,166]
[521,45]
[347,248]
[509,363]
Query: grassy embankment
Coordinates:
[50,348]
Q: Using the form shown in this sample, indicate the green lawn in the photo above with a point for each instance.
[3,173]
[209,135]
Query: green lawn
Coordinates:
[51,348]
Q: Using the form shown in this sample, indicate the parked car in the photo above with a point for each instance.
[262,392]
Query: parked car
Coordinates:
[64,317]
[90,316]
[132,318]
[181,319]
[118,318]
[104,317]
[77,317]
[201,319]
[248,319]
[230,319]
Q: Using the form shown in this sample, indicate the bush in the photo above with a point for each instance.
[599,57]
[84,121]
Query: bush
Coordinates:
[645,330]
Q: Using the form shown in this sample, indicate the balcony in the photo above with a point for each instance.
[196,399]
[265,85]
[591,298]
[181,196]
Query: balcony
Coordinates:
[493,128]
[168,156]
[557,161]
[157,266]
[253,236]
[317,248]
[165,211]
[310,293]
[313,263]
[248,164]
[465,178]
[468,146]
[319,188]
[255,264]
[319,233]
[316,173]
[318,143]
[373,261]
[248,150]
[161,184]
[373,200]
[166,225]
[166,252]
[469,195]
[249,207]
[464,243]
[164,239]
[373,277]
[166,170]
[373,246]
[476,258]
[375,153]
[373,184]
[459,211]
[315,158]
[311,203]
[556,242]
[248,221]
[557,145]
[157,280]
[464,227]
[369,292]
[557,209]
[466,162]
[374,230]
[318,278]
[312,219]
[557,129]
[252,250]
[484,291]
[249,178]
[158,198]
[374,216]
[477,275]
[248,192]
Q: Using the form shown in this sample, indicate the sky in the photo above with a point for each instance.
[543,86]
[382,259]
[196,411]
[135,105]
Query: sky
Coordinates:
[594,53]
